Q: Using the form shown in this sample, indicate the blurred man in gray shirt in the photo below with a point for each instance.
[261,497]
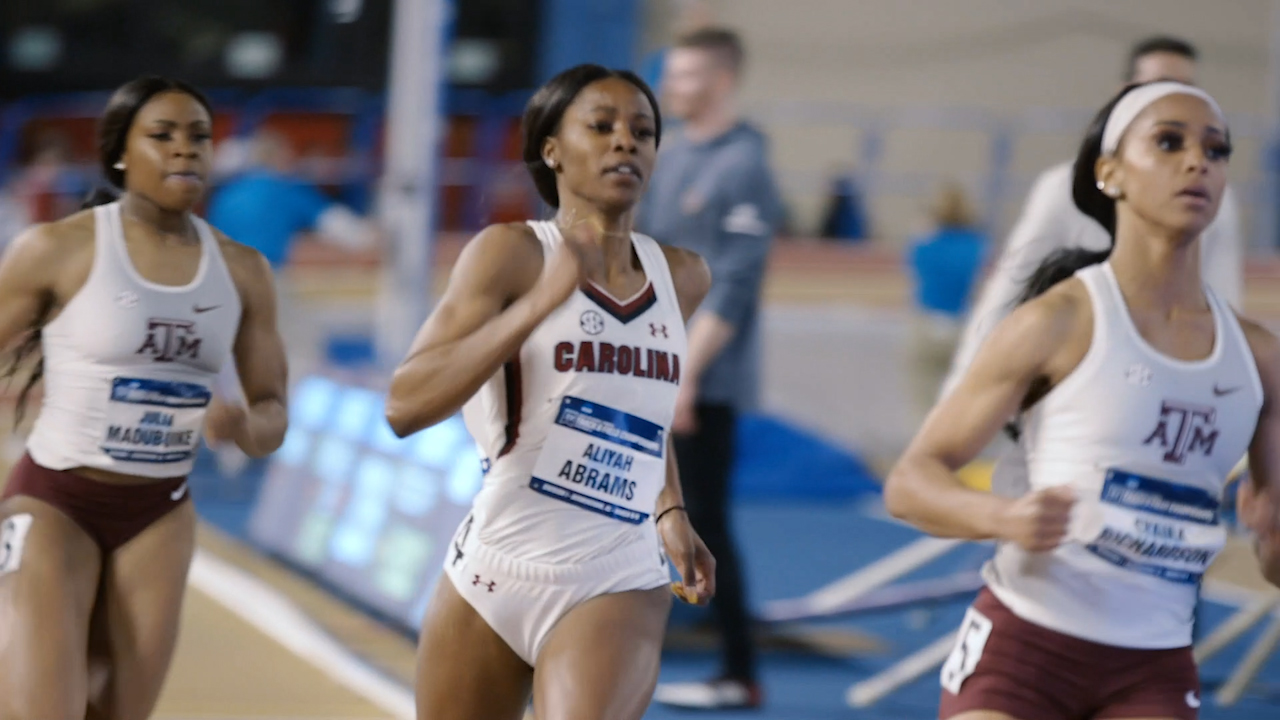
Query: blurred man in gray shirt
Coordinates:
[712,192]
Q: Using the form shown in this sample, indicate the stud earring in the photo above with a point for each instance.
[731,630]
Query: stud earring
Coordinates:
[552,164]
[119,165]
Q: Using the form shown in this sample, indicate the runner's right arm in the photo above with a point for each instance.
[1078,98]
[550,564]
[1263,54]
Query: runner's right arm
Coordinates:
[1033,343]
[494,301]
[1259,500]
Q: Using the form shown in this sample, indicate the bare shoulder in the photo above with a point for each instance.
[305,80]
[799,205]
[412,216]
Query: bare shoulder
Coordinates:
[513,241]
[249,268]
[57,238]
[56,253]
[1052,332]
[1063,308]
[1265,347]
[689,274]
[505,258]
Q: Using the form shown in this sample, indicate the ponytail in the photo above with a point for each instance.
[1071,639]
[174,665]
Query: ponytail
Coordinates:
[1062,264]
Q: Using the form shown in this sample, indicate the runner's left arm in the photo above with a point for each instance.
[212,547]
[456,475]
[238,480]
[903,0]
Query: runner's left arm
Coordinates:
[259,355]
[693,560]
[1259,498]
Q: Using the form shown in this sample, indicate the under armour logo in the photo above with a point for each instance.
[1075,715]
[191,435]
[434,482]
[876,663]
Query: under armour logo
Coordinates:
[478,582]
[656,329]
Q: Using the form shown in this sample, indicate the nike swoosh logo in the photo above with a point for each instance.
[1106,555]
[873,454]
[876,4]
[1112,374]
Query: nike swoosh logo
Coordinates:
[1219,392]
[1192,700]
[199,309]
[178,494]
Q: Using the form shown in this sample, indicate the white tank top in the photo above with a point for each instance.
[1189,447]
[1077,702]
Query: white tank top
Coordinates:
[1146,441]
[573,431]
[130,364]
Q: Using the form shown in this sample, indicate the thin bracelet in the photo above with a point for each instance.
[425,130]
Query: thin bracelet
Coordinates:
[658,519]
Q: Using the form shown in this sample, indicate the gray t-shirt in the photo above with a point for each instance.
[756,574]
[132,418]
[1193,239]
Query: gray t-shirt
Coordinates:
[718,199]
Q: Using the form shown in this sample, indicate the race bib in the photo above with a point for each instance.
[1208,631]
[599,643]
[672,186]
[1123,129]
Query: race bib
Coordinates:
[965,654]
[155,421]
[603,460]
[1158,528]
[13,537]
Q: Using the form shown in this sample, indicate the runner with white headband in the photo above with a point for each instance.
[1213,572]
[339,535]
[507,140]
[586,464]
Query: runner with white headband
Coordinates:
[1140,389]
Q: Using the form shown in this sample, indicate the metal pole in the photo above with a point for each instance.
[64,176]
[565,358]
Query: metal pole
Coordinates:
[420,36]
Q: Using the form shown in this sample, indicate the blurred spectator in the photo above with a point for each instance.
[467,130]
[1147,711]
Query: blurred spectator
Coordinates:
[713,192]
[50,186]
[1050,221]
[267,205]
[845,216]
[689,15]
[944,264]
[14,217]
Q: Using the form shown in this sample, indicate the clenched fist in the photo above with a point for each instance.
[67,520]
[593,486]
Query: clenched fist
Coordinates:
[1037,521]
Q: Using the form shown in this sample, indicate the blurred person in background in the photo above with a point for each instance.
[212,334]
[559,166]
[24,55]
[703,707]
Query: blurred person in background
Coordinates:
[944,265]
[713,193]
[689,15]
[14,216]
[845,215]
[50,186]
[267,205]
[1050,221]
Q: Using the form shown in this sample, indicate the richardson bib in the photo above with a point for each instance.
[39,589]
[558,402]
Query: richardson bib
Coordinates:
[1157,527]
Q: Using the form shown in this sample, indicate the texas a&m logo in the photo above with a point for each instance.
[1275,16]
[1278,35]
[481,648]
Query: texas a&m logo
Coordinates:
[1183,429]
[170,340]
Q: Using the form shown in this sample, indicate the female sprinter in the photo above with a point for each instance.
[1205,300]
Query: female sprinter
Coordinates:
[137,305]
[1141,390]
[556,582]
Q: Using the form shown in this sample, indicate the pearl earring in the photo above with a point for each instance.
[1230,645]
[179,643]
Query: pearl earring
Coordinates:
[1102,185]
[119,165]
[551,163]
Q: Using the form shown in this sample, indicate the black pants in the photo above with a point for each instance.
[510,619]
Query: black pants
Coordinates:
[706,459]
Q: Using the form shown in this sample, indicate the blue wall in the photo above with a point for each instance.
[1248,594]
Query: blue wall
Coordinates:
[579,31]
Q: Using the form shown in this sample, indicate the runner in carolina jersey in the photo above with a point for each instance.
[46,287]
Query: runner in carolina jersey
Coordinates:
[565,342]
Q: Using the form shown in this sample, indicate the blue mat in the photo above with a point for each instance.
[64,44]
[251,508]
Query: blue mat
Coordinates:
[777,461]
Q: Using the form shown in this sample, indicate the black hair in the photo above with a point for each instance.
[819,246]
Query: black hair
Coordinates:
[1158,44]
[722,41]
[546,109]
[123,107]
[1062,264]
[113,131]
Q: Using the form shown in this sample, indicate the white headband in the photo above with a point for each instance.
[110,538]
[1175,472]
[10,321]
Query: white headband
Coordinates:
[1137,100]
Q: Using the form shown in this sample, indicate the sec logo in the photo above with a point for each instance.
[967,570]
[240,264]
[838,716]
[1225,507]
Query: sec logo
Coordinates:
[591,322]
